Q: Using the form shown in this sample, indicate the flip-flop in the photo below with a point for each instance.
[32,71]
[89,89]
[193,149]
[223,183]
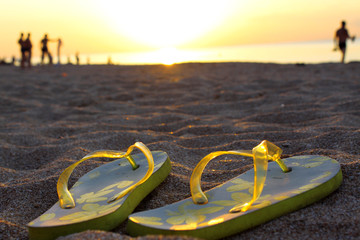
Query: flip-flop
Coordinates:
[105,196]
[245,201]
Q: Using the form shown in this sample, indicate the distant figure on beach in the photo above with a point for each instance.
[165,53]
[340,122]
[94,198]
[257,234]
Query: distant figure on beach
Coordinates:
[25,47]
[59,44]
[21,42]
[341,35]
[45,50]
[69,61]
[77,58]
[28,49]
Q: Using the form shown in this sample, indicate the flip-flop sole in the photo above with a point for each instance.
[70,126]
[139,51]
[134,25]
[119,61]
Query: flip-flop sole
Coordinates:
[91,193]
[311,179]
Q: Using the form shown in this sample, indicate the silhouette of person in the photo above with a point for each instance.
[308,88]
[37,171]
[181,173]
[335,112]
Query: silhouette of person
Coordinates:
[58,49]
[45,50]
[77,58]
[341,35]
[28,49]
[21,42]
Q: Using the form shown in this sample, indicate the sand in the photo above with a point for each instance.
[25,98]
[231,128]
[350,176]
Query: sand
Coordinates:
[52,116]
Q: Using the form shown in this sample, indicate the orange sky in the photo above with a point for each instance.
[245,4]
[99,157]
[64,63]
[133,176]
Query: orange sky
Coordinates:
[92,26]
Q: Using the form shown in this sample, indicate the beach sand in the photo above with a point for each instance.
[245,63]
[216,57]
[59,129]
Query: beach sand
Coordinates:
[52,116]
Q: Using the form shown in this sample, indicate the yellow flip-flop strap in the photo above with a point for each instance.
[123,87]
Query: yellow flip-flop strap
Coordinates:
[261,154]
[65,198]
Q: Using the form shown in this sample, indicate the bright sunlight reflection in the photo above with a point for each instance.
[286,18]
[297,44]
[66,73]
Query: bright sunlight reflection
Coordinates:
[164,23]
[167,56]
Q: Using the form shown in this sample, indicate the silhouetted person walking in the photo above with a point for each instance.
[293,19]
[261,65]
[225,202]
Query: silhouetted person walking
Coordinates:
[22,49]
[28,49]
[340,38]
[77,58]
[59,44]
[45,50]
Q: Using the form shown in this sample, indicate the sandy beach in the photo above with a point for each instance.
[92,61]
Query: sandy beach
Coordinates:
[52,116]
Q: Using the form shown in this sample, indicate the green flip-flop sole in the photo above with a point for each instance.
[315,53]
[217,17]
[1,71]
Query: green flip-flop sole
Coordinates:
[91,193]
[311,179]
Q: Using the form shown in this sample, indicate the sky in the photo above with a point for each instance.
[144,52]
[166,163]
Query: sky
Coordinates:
[93,26]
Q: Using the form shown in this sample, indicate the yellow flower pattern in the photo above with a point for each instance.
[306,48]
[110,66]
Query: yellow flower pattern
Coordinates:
[94,174]
[92,197]
[47,217]
[189,216]
[240,190]
[239,185]
[237,198]
[120,185]
[93,190]
[326,174]
[313,164]
[90,211]
[305,188]
[240,198]
[78,183]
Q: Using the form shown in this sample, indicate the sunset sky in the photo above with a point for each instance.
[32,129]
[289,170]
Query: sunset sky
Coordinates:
[93,26]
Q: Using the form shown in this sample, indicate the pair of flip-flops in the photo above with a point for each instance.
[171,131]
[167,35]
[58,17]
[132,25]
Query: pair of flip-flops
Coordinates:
[106,196]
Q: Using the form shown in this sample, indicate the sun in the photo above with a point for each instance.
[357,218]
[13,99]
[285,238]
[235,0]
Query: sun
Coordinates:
[164,23]
[167,56]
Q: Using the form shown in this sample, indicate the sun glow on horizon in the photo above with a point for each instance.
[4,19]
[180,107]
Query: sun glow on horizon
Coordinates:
[166,24]
[167,55]
[170,29]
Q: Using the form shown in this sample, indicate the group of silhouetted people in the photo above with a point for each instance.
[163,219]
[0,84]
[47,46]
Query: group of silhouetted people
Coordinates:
[340,38]
[26,50]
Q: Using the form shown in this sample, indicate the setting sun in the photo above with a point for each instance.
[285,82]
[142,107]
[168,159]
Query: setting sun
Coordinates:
[167,56]
[168,31]
[162,23]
